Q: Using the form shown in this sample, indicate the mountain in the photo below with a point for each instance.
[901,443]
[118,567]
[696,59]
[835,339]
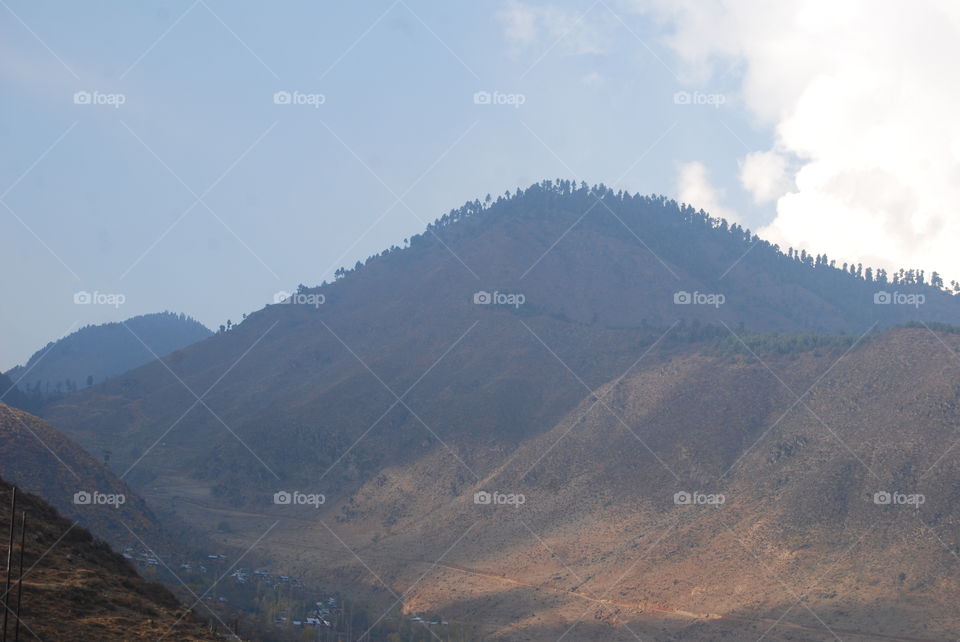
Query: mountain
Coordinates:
[597,287]
[97,352]
[42,460]
[76,588]
[420,377]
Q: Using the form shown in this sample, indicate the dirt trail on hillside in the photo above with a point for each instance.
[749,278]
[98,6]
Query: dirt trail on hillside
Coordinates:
[642,607]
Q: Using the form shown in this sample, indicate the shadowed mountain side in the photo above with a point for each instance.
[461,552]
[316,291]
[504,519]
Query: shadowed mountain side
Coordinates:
[299,422]
[12,395]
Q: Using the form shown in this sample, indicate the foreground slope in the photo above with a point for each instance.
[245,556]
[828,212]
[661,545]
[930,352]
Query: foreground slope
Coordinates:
[76,588]
[42,460]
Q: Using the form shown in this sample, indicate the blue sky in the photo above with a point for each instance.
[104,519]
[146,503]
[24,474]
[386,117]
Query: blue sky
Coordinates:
[200,194]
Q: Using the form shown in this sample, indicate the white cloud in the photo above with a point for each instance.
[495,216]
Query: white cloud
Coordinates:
[862,98]
[764,174]
[564,30]
[694,188]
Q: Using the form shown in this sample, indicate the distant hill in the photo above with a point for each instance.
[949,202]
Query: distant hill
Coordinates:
[76,588]
[97,352]
[404,386]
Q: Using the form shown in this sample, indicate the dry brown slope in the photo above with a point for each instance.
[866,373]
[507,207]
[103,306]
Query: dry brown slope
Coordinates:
[76,588]
[799,535]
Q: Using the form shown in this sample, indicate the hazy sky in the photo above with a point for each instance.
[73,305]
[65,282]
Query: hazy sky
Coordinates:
[147,152]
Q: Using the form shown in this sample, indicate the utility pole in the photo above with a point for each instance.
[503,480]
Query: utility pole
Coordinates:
[6,588]
[23,538]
